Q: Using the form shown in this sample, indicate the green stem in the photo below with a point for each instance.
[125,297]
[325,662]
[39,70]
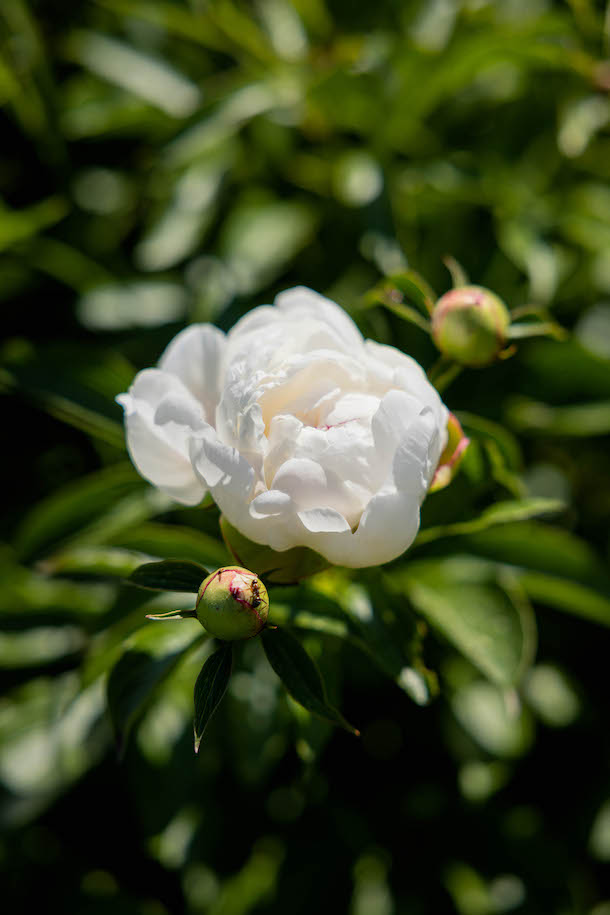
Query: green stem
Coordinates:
[442,373]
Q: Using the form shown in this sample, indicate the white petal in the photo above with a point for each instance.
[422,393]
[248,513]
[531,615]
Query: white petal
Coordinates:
[392,421]
[301,302]
[388,527]
[195,356]
[160,451]
[177,408]
[317,520]
[408,375]
[411,460]
[282,439]
[305,481]
[270,503]
[227,473]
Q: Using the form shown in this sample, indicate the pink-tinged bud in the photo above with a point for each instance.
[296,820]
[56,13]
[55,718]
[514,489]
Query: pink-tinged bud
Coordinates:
[470,324]
[232,603]
[450,459]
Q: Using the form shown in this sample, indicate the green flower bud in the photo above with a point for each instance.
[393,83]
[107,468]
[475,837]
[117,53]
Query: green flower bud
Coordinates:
[470,324]
[232,603]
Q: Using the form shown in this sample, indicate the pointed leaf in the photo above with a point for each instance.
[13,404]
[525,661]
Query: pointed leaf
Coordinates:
[211,686]
[300,676]
[170,575]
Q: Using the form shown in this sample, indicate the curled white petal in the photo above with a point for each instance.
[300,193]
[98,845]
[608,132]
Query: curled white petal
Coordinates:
[160,418]
[195,357]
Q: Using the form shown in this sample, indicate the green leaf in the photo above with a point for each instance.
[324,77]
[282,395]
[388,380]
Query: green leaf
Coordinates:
[300,675]
[390,643]
[170,575]
[461,599]
[73,506]
[482,428]
[542,548]
[149,78]
[173,541]
[500,513]
[410,286]
[131,685]
[19,225]
[281,568]
[73,383]
[93,563]
[569,596]
[210,687]
[581,420]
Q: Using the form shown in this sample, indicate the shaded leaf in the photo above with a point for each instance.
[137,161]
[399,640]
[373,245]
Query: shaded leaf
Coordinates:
[170,575]
[210,687]
[460,598]
[574,421]
[97,563]
[73,506]
[300,675]
[542,548]
[173,541]
[385,642]
[75,385]
[569,596]
[394,291]
[131,685]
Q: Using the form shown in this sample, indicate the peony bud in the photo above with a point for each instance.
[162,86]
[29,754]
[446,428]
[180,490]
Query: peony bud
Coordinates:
[470,324]
[456,446]
[232,603]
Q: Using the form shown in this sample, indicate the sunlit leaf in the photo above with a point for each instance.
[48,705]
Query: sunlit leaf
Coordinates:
[498,514]
[460,599]
[151,79]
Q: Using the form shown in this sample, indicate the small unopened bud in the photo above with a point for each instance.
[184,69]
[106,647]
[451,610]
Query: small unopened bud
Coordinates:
[470,324]
[450,459]
[232,603]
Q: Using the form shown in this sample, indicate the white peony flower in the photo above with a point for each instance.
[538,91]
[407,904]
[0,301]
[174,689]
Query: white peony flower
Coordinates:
[304,433]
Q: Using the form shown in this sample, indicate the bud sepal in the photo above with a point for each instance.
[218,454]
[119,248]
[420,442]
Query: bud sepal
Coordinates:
[451,458]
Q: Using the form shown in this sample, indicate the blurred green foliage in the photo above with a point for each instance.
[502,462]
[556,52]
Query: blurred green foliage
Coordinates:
[166,161]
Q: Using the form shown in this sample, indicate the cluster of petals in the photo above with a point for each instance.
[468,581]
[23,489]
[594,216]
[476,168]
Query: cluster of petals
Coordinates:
[304,433]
